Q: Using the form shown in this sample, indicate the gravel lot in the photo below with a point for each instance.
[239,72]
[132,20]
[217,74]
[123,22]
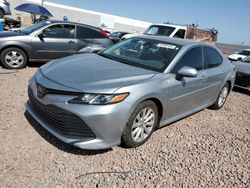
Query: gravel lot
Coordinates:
[208,149]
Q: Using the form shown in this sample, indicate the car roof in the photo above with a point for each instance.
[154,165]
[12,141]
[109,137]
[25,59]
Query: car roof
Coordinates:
[182,42]
[75,23]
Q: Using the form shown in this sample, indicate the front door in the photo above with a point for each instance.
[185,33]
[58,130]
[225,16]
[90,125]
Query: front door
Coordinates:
[187,93]
[55,41]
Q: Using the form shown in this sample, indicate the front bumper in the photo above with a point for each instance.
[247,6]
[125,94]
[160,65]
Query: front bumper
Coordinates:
[6,8]
[242,81]
[105,121]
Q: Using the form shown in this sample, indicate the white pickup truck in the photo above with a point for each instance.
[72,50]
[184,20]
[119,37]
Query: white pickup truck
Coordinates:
[179,31]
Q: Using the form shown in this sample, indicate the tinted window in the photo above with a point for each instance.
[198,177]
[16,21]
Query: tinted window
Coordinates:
[87,33]
[192,58]
[244,52]
[247,60]
[159,30]
[145,53]
[180,34]
[60,31]
[211,57]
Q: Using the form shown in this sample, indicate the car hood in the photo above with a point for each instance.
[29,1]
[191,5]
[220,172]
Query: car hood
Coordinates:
[242,67]
[236,56]
[10,34]
[94,73]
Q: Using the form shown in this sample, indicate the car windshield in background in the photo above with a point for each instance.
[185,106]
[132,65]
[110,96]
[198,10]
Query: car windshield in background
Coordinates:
[35,27]
[244,52]
[159,30]
[145,53]
[247,60]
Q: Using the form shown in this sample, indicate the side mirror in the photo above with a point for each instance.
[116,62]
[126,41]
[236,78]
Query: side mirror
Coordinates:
[239,59]
[41,35]
[187,72]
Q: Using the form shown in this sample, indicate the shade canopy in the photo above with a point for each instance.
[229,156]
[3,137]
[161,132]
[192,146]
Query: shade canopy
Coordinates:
[34,8]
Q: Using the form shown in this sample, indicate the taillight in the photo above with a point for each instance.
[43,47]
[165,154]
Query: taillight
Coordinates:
[104,33]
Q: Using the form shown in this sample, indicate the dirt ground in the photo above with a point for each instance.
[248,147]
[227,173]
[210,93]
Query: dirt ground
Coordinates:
[208,149]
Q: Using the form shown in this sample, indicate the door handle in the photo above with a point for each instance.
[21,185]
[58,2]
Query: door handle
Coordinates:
[71,42]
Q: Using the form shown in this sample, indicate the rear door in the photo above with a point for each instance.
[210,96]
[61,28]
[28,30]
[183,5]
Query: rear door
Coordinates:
[91,39]
[187,93]
[59,40]
[215,73]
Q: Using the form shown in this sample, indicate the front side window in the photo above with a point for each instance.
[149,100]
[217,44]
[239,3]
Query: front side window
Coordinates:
[159,30]
[60,31]
[247,60]
[212,58]
[145,53]
[192,58]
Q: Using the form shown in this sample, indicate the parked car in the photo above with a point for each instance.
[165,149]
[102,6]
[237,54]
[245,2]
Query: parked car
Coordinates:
[179,31]
[116,36]
[122,94]
[4,8]
[243,73]
[49,40]
[240,55]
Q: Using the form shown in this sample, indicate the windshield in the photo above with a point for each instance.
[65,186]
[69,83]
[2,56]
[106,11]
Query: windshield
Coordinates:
[145,53]
[159,30]
[245,52]
[35,27]
[247,60]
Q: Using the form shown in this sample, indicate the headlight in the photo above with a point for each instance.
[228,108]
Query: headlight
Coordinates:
[99,98]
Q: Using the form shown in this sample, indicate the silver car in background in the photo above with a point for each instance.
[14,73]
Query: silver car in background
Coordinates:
[4,8]
[122,94]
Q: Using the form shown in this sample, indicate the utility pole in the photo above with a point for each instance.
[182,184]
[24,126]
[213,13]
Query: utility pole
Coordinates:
[42,2]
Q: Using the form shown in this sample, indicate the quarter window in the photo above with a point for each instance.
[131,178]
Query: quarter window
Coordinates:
[192,58]
[87,33]
[60,31]
[212,58]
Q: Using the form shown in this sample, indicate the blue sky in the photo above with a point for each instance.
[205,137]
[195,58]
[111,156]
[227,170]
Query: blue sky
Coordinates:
[230,17]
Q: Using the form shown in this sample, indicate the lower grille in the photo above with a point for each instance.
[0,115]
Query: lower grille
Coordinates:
[60,120]
[242,79]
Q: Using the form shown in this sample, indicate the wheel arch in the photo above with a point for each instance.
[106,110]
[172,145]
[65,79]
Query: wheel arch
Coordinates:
[15,46]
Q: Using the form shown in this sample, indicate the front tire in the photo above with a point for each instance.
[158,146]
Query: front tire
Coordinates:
[13,58]
[141,124]
[221,99]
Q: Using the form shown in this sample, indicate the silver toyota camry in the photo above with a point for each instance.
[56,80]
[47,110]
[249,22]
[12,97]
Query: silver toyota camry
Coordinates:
[122,94]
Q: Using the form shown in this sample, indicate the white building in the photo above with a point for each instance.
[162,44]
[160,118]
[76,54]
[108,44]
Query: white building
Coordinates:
[108,21]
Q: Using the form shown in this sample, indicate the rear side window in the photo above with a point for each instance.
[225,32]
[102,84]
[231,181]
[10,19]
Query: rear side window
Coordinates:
[180,34]
[192,58]
[87,33]
[212,58]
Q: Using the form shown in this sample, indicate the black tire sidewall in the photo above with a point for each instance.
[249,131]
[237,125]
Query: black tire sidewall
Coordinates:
[216,105]
[1,13]
[127,139]
[6,51]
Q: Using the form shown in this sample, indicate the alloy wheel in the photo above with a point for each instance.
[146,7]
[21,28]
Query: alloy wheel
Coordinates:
[14,59]
[143,124]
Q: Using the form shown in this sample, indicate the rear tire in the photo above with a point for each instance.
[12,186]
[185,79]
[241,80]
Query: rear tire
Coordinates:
[1,13]
[221,99]
[14,58]
[141,124]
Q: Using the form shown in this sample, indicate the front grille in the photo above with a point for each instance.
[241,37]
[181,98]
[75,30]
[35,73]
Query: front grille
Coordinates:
[242,79]
[60,120]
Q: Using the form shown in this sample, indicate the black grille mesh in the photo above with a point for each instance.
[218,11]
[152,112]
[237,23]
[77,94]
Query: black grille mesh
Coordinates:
[60,120]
